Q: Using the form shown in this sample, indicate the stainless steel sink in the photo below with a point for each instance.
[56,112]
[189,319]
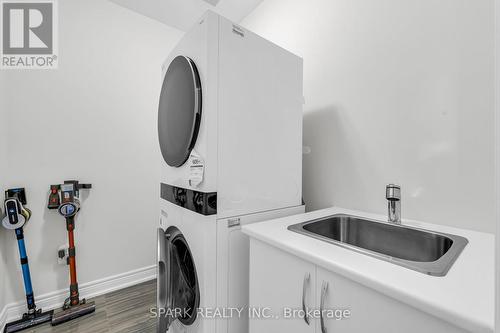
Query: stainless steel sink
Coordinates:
[424,251]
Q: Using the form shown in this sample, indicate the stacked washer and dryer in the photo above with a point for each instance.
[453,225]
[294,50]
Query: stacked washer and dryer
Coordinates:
[230,132]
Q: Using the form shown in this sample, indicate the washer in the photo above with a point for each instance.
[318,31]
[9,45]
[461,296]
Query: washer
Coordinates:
[230,134]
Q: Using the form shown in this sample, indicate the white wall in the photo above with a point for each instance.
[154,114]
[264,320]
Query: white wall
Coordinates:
[497,165]
[396,91]
[93,119]
[3,276]
[3,171]
[3,271]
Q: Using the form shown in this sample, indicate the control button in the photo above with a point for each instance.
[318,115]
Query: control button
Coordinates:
[180,196]
[198,202]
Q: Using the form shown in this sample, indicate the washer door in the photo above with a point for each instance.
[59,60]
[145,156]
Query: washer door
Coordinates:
[178,288]
[164,285]
[179,112]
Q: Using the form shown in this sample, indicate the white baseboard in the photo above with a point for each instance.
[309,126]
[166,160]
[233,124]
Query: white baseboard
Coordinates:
[55,299]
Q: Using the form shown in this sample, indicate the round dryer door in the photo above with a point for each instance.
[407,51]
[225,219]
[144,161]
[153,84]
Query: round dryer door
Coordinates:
[178,288]
[179,112]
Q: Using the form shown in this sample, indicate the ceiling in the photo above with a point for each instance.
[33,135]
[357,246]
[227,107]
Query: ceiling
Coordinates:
[182,14]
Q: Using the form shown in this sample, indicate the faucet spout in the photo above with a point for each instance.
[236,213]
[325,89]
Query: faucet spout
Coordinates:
[393,196]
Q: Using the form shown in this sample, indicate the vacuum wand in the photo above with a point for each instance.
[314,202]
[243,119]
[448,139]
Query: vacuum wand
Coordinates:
[74,294]
[30,298]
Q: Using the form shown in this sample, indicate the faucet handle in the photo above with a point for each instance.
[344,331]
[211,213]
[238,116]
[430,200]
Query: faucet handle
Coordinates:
[393,192]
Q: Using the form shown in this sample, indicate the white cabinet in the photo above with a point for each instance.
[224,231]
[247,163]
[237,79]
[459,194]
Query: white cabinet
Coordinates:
[280,283]
[341,305]
[233,248]
[368,310]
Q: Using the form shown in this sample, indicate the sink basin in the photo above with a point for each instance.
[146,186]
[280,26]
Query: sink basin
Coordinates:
[424,251]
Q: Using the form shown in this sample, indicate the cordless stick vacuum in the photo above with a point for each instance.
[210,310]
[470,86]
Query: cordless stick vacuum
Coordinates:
[66,199]
[16,217]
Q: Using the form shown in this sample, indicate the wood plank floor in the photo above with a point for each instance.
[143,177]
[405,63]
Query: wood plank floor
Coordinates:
[126,310]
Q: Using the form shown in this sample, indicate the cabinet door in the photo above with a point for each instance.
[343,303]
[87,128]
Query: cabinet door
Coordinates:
[279,284]
[369,310]
[233,255]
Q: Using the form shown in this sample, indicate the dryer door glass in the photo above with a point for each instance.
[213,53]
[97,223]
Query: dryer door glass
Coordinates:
[179,112]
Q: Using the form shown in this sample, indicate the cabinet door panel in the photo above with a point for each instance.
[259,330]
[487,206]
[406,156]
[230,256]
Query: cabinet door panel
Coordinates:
[371,311]
[278,281]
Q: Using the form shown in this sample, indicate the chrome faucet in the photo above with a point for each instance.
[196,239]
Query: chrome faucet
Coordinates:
[393,196]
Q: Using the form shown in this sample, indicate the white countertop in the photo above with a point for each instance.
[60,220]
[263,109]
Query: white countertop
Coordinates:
[464,297]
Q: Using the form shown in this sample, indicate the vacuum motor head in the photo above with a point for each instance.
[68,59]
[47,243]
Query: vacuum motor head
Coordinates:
[69,209]
[16,215]
[66,197]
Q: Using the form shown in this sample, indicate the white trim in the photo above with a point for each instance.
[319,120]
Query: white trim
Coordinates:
[55,299]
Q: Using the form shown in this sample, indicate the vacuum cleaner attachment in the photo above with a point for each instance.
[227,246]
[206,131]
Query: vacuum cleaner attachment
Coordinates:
[29,321]
[66,199]
[16,217]
[72,312]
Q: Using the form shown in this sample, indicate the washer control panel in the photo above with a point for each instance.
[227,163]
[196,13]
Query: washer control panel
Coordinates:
[200,202]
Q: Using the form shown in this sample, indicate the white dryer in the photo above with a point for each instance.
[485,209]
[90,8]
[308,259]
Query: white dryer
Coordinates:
[230,133]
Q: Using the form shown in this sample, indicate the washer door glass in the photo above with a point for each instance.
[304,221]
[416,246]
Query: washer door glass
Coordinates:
[179,112]
[178,287]
[164,292]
